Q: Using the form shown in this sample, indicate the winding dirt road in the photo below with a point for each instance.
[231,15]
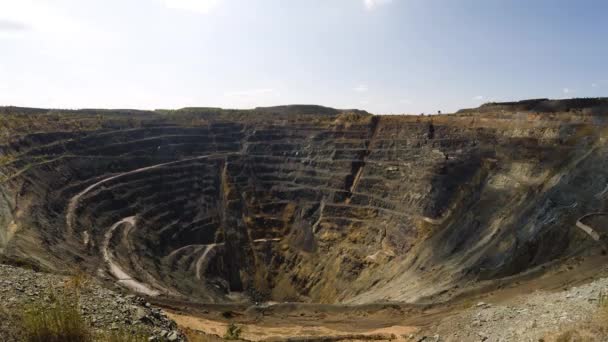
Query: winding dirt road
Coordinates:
[114,268]
[199,269]
[588,229]
[74,201]
[121,275]
[200,260]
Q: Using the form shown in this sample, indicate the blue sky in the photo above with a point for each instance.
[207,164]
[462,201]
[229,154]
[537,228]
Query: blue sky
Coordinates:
[386,56]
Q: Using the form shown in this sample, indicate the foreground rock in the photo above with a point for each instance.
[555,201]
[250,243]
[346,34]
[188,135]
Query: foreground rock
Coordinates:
[105,310]
[538,316]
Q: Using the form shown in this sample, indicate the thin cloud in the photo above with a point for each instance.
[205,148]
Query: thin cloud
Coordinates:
[566,90]
[11,26]
[18,17]
[249,98]
[361,88]
[251,93]
[372,4]
[12,29]
[198,6]
[406,101]
[478,98]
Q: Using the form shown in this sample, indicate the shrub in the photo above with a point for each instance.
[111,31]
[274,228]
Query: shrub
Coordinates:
[233,332]
[603,299]
[57,321]
[78,282]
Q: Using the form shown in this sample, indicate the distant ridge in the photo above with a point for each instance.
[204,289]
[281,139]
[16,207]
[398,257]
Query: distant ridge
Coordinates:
[542,105]
[306,109]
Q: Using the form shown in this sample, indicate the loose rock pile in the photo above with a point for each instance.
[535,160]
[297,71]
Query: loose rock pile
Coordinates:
[103,309]
[528,318]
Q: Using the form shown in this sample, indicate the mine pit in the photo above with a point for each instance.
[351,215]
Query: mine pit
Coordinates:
[318,210]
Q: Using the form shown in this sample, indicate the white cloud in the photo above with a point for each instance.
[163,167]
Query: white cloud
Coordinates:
[599,83]
[12,29]
[8,25]
[364,102]
[566,90]
[199,6]
[19,16]
[406,101]
[361,88]
[478,98]
[372,4]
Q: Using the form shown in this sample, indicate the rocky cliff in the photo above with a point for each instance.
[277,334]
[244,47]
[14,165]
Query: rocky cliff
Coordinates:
[302,203]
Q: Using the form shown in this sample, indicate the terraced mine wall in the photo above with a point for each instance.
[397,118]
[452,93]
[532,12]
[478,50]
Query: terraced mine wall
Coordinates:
[330,207]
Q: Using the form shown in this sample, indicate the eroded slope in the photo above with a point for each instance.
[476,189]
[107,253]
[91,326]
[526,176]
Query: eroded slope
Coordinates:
[332,207]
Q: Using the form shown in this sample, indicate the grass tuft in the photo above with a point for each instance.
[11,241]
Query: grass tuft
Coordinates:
[602,299]
[233,332]
[57,321]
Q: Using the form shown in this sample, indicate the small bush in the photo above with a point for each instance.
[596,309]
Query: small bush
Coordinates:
[603,299]
[57,321]
[78,282]
[233,332]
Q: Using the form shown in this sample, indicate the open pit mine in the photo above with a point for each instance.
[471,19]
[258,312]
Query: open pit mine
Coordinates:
[306,207]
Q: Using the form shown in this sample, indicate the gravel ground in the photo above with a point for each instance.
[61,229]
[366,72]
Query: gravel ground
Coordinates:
[530,317]
[102,308]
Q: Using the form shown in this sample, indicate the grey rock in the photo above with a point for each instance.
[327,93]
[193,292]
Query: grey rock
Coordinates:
[139,314]
[173,336]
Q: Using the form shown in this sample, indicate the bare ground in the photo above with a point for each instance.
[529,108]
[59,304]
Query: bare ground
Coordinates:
[566,301]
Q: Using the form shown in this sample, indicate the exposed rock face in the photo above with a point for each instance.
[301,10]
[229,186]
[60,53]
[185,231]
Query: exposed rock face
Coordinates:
[331,207]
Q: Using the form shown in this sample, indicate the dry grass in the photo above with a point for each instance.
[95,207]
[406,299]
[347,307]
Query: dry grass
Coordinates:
[577,335]
[58,320]
[233,332]
[6,159]
[594,330]
[78,282]
[61,321]
[347,119]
